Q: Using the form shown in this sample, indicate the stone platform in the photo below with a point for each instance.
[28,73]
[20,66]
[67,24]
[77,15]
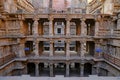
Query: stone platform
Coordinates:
[27,77]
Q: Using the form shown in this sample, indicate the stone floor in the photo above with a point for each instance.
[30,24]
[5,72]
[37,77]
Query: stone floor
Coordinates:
[27,77]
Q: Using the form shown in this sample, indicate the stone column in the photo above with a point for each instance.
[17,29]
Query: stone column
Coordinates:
[51,48]
[6,27]
[51,26]
[96,27]
[36,69]
[35,27]
[21,49]
[83,27]
[67,70]
[83,49]
[118,21]
[98,68]
[67,48]
[36,47]
[51,70]
[82,69]
[68,27]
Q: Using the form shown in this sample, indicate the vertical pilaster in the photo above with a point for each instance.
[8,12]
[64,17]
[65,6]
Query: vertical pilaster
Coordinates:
[118,21]
[21,49]
[98,68]
[6,27]
[67,48]
[83,27]
[51,70]
[36,47]
[82,69]
[51,48]
[68,26]
[51,26]
[35,27]
[36,69]
[83,49]
[96,27]
[67,70]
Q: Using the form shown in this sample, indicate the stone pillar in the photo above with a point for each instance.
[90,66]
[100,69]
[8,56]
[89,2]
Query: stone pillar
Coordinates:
[51,26]
[96,27]
[98,68]
[67,48]
[51,70]
[35,27]
[36,47]
[83,49]
[6,27]
[68,27]
[21,49]
[36,69]
[118,21]
[82,69]
[51,48]
[67,70]
[83,27]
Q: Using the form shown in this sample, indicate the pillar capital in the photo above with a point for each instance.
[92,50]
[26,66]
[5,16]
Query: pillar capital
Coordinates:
[51,18]
[67,41]
[67,19]
[83,19]
[51,42]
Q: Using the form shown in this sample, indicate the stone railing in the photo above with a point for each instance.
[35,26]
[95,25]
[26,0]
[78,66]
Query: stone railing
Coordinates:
[112,59]
[103,32]
[6,58]
[2,33]
[68,11]
[116,33]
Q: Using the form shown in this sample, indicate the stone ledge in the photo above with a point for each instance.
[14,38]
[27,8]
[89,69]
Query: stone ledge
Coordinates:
[27,77]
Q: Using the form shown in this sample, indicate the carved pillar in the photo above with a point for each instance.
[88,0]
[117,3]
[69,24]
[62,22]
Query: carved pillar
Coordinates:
[6,27]
[118,21]
[83,49]
[21,49]
[67,48]
[68,27]
[51,26]
[98,68]
[51,48]
[83,27]
[82,69]
[36,47]
[35,27]
[36,69]
[51,70]
[96,27]
[67,70]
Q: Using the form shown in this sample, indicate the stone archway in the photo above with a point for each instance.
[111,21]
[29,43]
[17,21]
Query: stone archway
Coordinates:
[31,69]
[87,69]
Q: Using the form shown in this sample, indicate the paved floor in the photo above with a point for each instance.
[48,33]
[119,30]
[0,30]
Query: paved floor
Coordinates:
[27,77]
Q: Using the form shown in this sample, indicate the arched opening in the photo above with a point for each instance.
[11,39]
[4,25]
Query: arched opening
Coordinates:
[43,69]
[87,69]
[75,69]
[31,69]
[60,69]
